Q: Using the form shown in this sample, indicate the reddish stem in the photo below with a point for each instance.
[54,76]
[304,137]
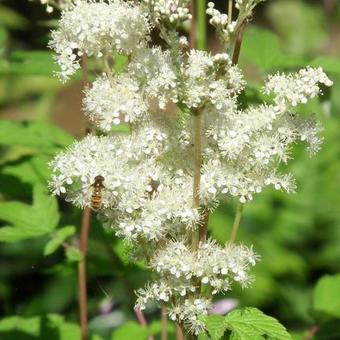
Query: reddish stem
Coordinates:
[238,43]
[312,332]
[142,320]
[179,332]
[85,227]
[84,235]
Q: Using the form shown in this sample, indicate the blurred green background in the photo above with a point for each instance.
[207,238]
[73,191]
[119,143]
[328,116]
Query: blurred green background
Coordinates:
[297,236]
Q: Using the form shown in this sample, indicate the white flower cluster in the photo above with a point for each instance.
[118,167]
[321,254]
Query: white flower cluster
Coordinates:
[182,272]
[245,147]
[154,70]
[111,103]
[169,10]
[138,194]
[97,28]
[296,88]
[147,194]
[221,22]
[210,78]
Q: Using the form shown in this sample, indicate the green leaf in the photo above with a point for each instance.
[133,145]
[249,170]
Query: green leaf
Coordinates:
[300,24]
[11,19]
[30,169]
[26,63]
[3,40]
[326,296]
[40,328]
[130,330]
[329,64]
[120,61]
[215,325]
[30,326]
[335,98]
[252,324]
[29,221]
[262,48]
[38,135]
[73,254]
[60,236]
[155,328]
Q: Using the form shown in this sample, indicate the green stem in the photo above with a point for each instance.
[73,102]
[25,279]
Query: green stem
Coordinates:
[230,11]
[236,223]
[197,170]
[201,25]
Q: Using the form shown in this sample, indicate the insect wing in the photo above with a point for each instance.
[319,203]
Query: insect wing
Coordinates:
[81,195]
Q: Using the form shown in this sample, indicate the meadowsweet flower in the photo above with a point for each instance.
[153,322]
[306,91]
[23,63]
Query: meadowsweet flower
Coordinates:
[148,194]
[296,88]
[111,103]
[224,26]
[169,10]
[97,28]
[181,271]
[154,71]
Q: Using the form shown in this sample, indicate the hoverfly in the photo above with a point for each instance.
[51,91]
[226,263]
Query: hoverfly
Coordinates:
[96,197]
[91,192]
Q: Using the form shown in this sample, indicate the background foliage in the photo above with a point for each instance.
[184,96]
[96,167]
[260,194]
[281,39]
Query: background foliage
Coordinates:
[297,236]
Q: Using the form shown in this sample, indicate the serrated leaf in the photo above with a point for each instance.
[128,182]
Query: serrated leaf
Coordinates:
[39,135]
[130,330]
[73,254]
[30,169]
[60,236]
[252,324]
[326,295]
[215,325]
[29,221]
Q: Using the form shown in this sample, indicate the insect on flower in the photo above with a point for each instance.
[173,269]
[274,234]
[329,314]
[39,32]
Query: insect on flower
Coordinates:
[96,197]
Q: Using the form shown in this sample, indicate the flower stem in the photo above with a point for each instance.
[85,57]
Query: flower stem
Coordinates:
[85,227]
[142,320]
[164,324]
[201,25]
[196,117]
[84,235]
[230,11]
[107,68]
[179,332]
[238,43]
[192,34]
[236,223]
